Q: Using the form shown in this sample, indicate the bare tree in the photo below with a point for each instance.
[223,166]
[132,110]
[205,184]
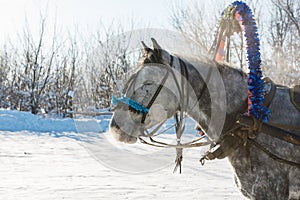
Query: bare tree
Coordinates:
[36,72]
[285,42]
[199,23]
[292,10]
[73,54]
[4,79]
[111,65]
[194,23]
[37,67]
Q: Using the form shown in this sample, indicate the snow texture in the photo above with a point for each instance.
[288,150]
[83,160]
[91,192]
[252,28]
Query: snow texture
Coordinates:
[43,158]
[11,120]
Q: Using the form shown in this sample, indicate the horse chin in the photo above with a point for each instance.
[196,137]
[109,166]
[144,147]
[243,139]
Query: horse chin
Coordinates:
[120,135]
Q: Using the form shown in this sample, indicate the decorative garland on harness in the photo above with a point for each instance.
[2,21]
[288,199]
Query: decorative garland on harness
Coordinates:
[239,12]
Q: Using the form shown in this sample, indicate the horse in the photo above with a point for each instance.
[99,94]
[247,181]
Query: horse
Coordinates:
[257,174]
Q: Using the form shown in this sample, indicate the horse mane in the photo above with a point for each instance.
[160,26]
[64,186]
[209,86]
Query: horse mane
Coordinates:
[223,67]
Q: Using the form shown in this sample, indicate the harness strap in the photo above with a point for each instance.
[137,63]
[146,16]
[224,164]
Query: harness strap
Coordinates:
[179,131]
[155,96]
[275,157]
[231,141]
[223,149]
[179,119]
[204,87]
[225,145]
[271,130]
[157,91]
[285,126]
[268,98]
[292,97]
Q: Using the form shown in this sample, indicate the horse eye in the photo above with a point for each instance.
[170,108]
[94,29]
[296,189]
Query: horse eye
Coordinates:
[148,82]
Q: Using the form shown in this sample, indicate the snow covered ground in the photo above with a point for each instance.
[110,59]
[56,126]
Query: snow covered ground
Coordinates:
[42,158]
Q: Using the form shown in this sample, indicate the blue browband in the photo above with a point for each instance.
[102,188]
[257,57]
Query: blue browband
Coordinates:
[130,102]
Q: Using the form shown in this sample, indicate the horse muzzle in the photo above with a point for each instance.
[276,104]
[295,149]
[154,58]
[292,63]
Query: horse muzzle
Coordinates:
[121,135]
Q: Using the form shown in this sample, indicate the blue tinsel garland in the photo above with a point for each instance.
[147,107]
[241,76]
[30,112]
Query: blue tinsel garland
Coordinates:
[255,83]
[130,102]
[249,28]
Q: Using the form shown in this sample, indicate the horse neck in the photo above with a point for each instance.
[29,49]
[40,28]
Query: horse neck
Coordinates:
[235,86]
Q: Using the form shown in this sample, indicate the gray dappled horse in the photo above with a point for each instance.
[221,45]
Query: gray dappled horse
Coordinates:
[257,174]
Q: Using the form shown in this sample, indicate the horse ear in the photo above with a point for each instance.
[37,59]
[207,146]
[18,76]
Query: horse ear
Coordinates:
[145,47]
[156,46]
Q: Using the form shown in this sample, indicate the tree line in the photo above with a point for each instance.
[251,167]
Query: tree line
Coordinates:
[54,75]
[47,73]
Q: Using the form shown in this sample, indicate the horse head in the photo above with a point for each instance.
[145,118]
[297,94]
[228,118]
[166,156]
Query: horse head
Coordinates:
[147,98]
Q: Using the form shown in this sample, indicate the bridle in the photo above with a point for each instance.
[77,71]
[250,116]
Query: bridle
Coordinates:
[139,107]
[155,95]
[179,117]
[183,92]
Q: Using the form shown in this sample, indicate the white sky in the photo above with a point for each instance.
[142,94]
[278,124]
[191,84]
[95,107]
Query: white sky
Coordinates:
[86,14]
